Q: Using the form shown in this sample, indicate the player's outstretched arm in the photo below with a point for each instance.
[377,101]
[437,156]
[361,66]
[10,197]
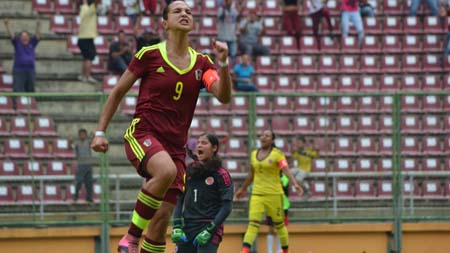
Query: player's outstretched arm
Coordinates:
[99,143]
[221,88]
[240,192]
[294,182]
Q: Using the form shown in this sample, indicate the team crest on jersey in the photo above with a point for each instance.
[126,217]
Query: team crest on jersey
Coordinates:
[198,74]
[209,181]
[147,142]
[270,161]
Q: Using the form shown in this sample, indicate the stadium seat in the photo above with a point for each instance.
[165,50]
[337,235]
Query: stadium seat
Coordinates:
[432,124]
[305,84]
[342,165]
[209,7]
[431,103]
[431,63]
[367,124]
[410,124]
[349,45]
[327,64]
[319,190]
[3,127]
[344,146]
[261,124]
[236,148]
[302,125]
[57,168]
[410,145]
[6,82]
[269,42]
[325,146]
[52,193]
[6,194]
[101,45]
[271,8]
[286,64]
[346,104]
[432,189]
[323,124]
[431,43]
[307,64]
[411,63]
[125,24]
[364,165]
[431,164]
[386,103]
[42,6]
[61,149]
[216,125]
[347,83]
[282,105]
[446,122]
[391,44]
[368,83]
[207,26]
[369,64]
[348,64]
[109,82]
[409,164]
[64,7]
[238,126]
[250,6]
[410,82]
[60,24]
[431,83]
[447,66]
[326,83]
[319,165]
[40,148]
[195,7]
[6,105]
[72,44]
[385,124]
[324,105]
[432,24]
[308,45]
[26,105]
[447,188]
[15,149]
[372,26]
[19,126]
[412,25]
[217,108]
[431,145]
[393,7]
[146,23]
[70,191]
[364,189]
[410,190]
[385,164]
[265,65]
[8,168]
[234,166]
[345,125]
[288,45]
[385,145]
[329,45]
[371,44]
[447,145]
[392,25]
[44,126]
[447,103]
[411,44]
[304,105]
[389,64]
[388,83]
[128,105]
[384,189]
[105,25]
[98,65]
[283,145]
[263,105]
[366,146]
[197,127]
[263,83]
[27,193]
[281,125]
[410,103]
[33,168]
[284,83]
[344,190]
[239,105]
[272,25]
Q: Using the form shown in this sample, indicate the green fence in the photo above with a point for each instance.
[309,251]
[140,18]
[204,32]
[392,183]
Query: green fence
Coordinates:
[117,183]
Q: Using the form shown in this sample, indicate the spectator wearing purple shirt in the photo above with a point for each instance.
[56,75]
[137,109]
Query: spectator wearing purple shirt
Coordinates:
[24,71]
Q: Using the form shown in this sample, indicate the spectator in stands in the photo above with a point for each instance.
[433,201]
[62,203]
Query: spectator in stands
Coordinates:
[318,11]
[291,20]
[286,205]
[86,36]
[227,17]
[432,4]
[148,6]
[303,156]
[350,13]
[120,54]
[104,8]
[24,70]
[147,38]
[131,9]
[366,9]
[243,75]
[83,175]
[251,30]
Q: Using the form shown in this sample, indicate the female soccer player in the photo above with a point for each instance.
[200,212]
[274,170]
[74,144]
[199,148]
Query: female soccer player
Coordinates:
[206,203]
[172,75]
[267,193]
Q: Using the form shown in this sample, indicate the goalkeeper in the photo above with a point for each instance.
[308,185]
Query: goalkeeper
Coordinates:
[206,203]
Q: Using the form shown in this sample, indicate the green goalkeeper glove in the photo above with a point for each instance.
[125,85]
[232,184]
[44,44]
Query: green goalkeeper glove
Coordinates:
[204,236]
[178,235]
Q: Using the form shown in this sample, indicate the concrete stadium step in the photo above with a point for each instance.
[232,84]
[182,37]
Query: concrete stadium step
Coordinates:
[22,7]
[27,23]
[46,66]
[47,48]
[46,85]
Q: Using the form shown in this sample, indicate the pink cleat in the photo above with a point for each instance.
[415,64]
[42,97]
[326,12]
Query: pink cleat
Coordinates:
[128,244]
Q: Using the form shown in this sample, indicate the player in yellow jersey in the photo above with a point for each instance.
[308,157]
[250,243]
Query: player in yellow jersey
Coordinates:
[267,193]
[302,157]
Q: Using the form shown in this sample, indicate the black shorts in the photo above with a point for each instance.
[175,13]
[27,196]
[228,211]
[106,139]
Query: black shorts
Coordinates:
[192,229]
[87,48]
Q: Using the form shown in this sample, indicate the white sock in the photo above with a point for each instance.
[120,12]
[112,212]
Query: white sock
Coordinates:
[277,239]
[269,243]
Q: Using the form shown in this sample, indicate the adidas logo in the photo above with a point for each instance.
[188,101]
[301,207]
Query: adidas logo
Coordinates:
[160,70]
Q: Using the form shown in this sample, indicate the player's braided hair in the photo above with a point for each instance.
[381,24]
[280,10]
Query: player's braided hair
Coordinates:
[198,169]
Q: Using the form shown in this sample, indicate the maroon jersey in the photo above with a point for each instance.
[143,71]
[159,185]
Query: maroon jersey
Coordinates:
[167,95]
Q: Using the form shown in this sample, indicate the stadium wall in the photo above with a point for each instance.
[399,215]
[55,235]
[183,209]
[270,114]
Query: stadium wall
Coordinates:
[304,238]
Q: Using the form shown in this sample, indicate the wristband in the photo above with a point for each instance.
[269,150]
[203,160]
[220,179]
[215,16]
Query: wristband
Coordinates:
[223,64]
[99,133]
